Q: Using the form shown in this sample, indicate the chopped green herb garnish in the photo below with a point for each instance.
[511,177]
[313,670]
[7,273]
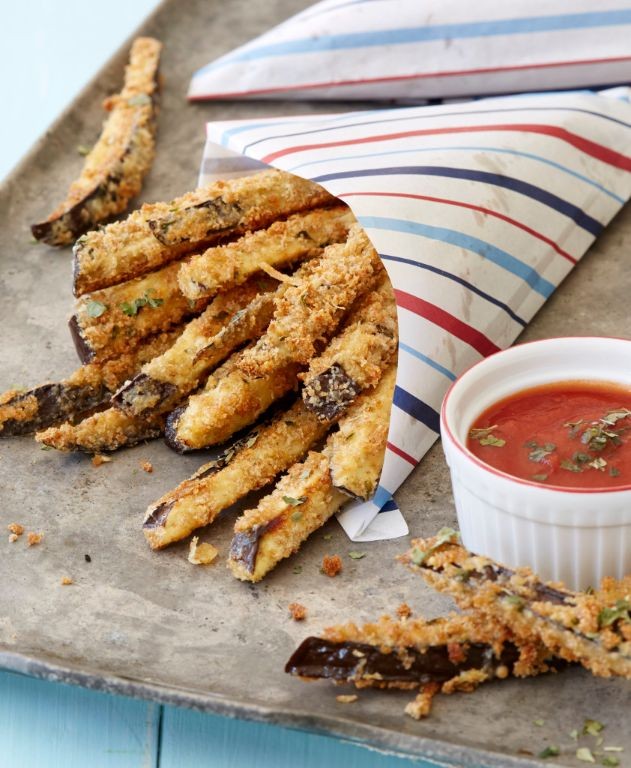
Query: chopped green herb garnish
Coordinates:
[463,575]
[614,471]
[610,760]
[540,478]
[574,427]
[305,474]
[327,536]
[83,150]
[356,555]
[130,308]
[592,727]
[297,569]
[443,536]
[585,754]
[569,465]
[516,601]
[139,100]
[251,440]
[598,463]
[95,308]
[551,751]
[47,448]
[294,502]
[296,516]
[613,749]
[608,616]
[539,722]
[573,733]
[539,452]
[498,442]
[484,437]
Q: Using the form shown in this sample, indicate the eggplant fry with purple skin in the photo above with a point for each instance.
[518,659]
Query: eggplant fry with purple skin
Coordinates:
[158,233]
[356,357]
[301,236]
[106,323]
[310,311]
[102,432]
[592,629]
[246,466]
[230,320]
[26,411]
[115,167]
[306,497]
[454,653]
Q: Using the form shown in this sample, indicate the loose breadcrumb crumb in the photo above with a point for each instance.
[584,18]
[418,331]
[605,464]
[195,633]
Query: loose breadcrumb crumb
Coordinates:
[147,467]
[298,611]
[348,698]
[12,538]
[404,611]
[331,566]
[201,554]
[99,459]
[66,581]
[33,538]
[16,529]
[422,704]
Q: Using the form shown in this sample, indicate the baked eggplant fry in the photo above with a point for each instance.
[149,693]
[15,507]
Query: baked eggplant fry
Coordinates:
[582,627]
[311,310]
[26,411]
[306,497]
[453,653]
[230,401]
[106,323]
[356,357]
[362,432]
[128,248]
[231,319]
[102,432]
[114,169]
[301,236]
[239,205]
[247,466]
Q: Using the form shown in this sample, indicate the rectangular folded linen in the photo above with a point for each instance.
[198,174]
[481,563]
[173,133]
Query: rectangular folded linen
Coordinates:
[427,49]
[478,210]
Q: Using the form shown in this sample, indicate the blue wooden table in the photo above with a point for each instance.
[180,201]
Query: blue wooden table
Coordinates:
[48,51]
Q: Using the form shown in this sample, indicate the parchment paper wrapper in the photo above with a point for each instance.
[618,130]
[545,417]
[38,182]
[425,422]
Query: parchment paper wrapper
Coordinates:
[427,49]
[478,210]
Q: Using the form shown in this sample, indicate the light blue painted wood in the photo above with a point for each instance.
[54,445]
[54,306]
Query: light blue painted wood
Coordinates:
[48,725]
[206,741]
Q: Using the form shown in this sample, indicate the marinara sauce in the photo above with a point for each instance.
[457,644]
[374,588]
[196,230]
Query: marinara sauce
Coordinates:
[575,434]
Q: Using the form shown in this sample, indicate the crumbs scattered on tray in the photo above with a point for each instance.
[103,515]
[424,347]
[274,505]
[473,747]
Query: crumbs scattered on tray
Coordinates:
[66,581]
[147,467]
[99,459]
[201,554]
[297,611]
[332,565]
[404,611]
[16,530]
[347,698]
[32,538]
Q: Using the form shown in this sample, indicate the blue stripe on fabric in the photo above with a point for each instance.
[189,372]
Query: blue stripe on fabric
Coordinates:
[416,116]
[381,498]
[568,209]
[428,361]
[425,34]
[389,506]
[417,409]
[460,281]
[499,150]
[487,251]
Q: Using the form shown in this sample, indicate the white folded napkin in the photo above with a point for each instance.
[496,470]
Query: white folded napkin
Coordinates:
[478,210]
[427,49]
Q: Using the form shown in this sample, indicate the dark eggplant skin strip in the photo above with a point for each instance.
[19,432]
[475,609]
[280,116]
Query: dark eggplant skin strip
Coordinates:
[352,661]
[107,184]
[170,431]
[245,544]
[330,393]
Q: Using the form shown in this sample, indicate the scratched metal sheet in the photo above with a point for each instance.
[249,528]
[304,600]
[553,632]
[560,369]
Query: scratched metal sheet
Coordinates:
[151,625]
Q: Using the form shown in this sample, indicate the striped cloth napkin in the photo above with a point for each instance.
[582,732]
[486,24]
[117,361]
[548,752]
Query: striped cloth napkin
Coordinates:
[427,49]
[478,210]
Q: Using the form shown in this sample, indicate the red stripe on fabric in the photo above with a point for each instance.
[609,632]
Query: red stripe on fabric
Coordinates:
[584,145]
[417,76]
[402,454]
[471,207]
[448,322]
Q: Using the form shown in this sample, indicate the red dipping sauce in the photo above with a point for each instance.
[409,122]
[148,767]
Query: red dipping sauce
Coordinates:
[574,434]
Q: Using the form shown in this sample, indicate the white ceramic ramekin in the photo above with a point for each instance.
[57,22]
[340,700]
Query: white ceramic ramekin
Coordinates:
[575,536]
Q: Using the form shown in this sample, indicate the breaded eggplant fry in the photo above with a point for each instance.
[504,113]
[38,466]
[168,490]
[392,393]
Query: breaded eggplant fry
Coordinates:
[362,432]
[26,411]
[305,498]
[239,205]
[114,169]
[311,311]
[356,357]
[129,248]
[230,401]
[102,432]
[576,626]
[456,652]
[253,463]
[301,236]
[106,323]
[231,319]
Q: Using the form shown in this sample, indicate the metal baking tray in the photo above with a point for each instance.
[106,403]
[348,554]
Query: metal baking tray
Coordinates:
[149,624]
